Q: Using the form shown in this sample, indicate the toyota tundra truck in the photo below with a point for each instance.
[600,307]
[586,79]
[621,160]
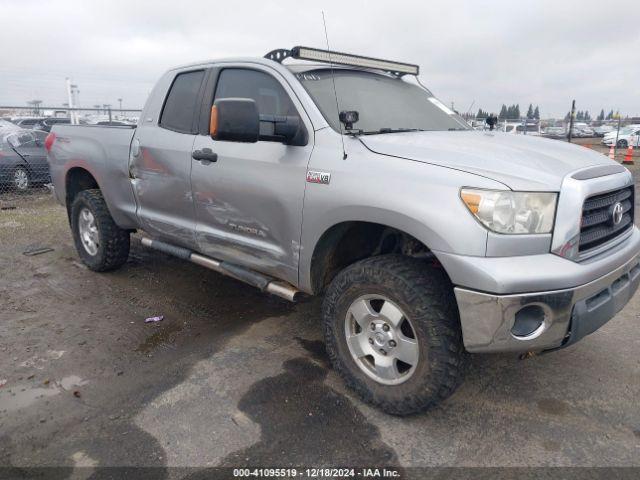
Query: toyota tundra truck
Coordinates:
[313,172]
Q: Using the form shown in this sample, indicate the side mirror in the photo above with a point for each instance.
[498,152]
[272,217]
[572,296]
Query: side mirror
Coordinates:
[287,129]
[235,120]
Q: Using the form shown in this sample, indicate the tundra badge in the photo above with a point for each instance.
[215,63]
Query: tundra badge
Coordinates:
[318,177]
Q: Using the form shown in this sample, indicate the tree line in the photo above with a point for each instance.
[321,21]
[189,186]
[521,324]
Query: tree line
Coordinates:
[512,112]
[586,117]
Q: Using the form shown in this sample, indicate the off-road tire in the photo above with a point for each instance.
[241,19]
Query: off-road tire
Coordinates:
[426,296]
[113,247]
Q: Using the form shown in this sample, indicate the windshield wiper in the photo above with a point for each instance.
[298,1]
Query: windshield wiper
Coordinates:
[387,130]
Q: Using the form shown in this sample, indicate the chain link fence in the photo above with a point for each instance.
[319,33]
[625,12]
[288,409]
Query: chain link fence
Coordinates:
[24,169]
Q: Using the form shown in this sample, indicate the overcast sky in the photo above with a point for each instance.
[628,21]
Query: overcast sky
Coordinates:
[490,53]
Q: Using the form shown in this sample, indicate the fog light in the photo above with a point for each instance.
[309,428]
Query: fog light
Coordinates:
[528,320]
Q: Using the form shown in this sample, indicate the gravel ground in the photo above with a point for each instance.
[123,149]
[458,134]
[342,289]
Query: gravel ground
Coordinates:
[233,377]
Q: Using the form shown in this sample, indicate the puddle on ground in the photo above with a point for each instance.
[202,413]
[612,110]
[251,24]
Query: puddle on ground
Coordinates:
[21,396]
[303,421]
[553,406]
[316,348]
[164,336]
[551,445]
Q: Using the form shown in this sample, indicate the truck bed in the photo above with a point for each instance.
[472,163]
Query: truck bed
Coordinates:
[103,151]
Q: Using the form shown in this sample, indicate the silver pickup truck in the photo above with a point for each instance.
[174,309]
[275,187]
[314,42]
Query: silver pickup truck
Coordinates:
[325,173]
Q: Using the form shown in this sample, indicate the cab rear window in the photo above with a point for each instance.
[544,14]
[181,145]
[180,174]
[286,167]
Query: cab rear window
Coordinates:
[181,102]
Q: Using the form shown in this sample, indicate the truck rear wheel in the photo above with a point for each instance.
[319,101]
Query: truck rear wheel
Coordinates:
[393,333]
[101,244]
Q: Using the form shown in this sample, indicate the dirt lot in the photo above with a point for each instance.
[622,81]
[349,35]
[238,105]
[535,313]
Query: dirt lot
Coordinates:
[234,377]
[595,144]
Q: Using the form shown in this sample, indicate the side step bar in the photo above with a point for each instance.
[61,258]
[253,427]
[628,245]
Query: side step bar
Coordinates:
[258,280]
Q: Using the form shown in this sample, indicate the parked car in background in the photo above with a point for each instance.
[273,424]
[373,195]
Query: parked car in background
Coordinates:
[554,132]
[519,128]
[23,159]
[582,132]
[623,131]
[627,136]
[46,124]
[602,130]
[26,122]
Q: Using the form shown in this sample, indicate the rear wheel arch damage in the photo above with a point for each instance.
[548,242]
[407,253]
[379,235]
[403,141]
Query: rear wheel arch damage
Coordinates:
[77,180]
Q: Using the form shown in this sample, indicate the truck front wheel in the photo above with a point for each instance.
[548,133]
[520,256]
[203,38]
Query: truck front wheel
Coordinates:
[393,333]
[101,244]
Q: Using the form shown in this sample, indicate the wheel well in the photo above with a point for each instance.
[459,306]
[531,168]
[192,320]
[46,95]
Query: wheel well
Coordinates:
[78,179]
[348,242]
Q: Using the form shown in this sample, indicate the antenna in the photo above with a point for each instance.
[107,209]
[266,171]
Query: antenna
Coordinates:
[335,92]
[470,107]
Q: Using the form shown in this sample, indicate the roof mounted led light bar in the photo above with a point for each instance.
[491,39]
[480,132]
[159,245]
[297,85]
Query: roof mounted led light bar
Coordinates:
[339,58]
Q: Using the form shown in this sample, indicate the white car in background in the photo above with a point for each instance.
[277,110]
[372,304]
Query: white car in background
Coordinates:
[583,132]
[518,128]
[555,132]
[602,130]
[628,136]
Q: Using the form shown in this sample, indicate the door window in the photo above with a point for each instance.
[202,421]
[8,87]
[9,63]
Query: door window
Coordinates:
[181,102]
[270,97]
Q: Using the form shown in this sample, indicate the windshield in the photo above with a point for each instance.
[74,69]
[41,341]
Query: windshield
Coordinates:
[381,102]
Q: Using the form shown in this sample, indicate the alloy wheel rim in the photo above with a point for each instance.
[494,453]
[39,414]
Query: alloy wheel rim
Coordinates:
[21,179]
[88,231]
[381,339]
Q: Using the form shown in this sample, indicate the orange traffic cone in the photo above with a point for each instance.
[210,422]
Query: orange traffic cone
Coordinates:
[628,158]
[612,153]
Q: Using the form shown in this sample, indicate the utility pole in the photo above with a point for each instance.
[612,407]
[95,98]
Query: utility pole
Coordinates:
[572,116]
[120,102]
[72,116]
[615,147]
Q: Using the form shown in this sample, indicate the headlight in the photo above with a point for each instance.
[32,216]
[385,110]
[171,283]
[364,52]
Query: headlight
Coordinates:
[508,212]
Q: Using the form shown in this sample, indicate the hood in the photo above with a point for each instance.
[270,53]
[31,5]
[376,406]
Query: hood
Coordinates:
[521,162]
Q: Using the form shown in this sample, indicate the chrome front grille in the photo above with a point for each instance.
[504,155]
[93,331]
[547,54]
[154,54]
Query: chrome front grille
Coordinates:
[599,224]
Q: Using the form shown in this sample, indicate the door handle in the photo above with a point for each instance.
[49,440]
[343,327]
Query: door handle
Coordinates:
[205,156]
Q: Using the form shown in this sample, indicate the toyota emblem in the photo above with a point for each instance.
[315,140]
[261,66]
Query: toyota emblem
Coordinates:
[616,213]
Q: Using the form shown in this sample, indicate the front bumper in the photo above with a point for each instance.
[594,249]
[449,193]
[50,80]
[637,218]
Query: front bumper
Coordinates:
[568,314]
